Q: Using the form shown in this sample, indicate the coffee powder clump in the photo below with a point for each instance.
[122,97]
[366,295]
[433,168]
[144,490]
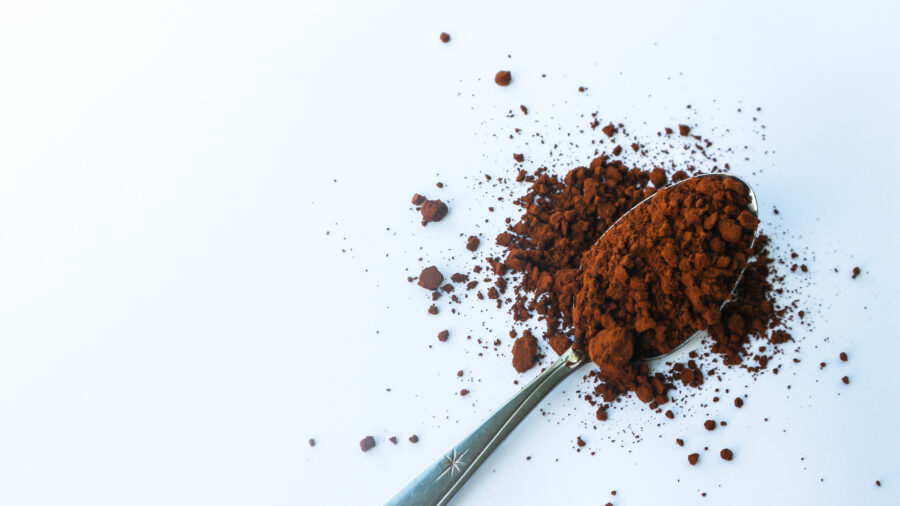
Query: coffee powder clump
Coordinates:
[726,454]
[430,278]
[524,352]
[503,78]
[367,443]
[432,211]
[445,37]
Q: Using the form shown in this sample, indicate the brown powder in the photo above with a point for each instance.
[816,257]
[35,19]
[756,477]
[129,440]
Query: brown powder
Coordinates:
[430,278]
[659,276]
[524,352]
[726,454]
[367,443]
[503,78]
[445,37]
[432,211]
[693,458]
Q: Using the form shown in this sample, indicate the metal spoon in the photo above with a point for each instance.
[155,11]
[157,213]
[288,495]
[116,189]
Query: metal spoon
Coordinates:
[440,481]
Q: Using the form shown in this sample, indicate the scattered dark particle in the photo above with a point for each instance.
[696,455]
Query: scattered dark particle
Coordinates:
[524,109]
[610,130]
[804,268]
[459,373]
[312,442]
[669,131]
[367,443]
[693,458]
[414,439]
[443,336]
[445,37]
[669,414]
[393,439]
[463,392]
[472,243]
[658,177]
[856,272]
[503,78]
[439,184]
[878,483]
[581,89]
[433,211]
[431,278]
[679,442]
[418,200]
[580,442]
[846,380]
[738,402]
[843,356]
[684,130]
[601,414]
[433,309]
[519,157]
[726,454]
[710,424]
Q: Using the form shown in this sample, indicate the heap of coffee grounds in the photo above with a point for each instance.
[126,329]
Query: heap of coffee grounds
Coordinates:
[563,218]
[660,275]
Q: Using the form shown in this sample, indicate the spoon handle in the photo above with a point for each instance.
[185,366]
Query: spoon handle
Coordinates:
[438,482]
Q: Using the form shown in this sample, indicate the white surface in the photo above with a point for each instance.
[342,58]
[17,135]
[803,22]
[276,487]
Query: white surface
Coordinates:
[175,323]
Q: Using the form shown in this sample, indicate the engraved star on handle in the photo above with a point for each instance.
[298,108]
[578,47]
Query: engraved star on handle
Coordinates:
[440,481]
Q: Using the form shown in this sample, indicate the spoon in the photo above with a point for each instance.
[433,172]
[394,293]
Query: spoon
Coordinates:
[440,481]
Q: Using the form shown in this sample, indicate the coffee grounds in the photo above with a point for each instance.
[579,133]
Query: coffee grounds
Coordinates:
[312,442]
[856,272]
[843,356]
[432,211]
[503,78]
[431,278]
[367,443]
[524,352]
[710,424]
[738,402]
[445,37]
[418,200]
[472,243]
[726,454]
[846,380]
[693,458]
[660,275]
[414,439]
[443,336]
[393,439]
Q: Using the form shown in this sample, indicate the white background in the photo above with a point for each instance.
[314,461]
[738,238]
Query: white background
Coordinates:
[175,323]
